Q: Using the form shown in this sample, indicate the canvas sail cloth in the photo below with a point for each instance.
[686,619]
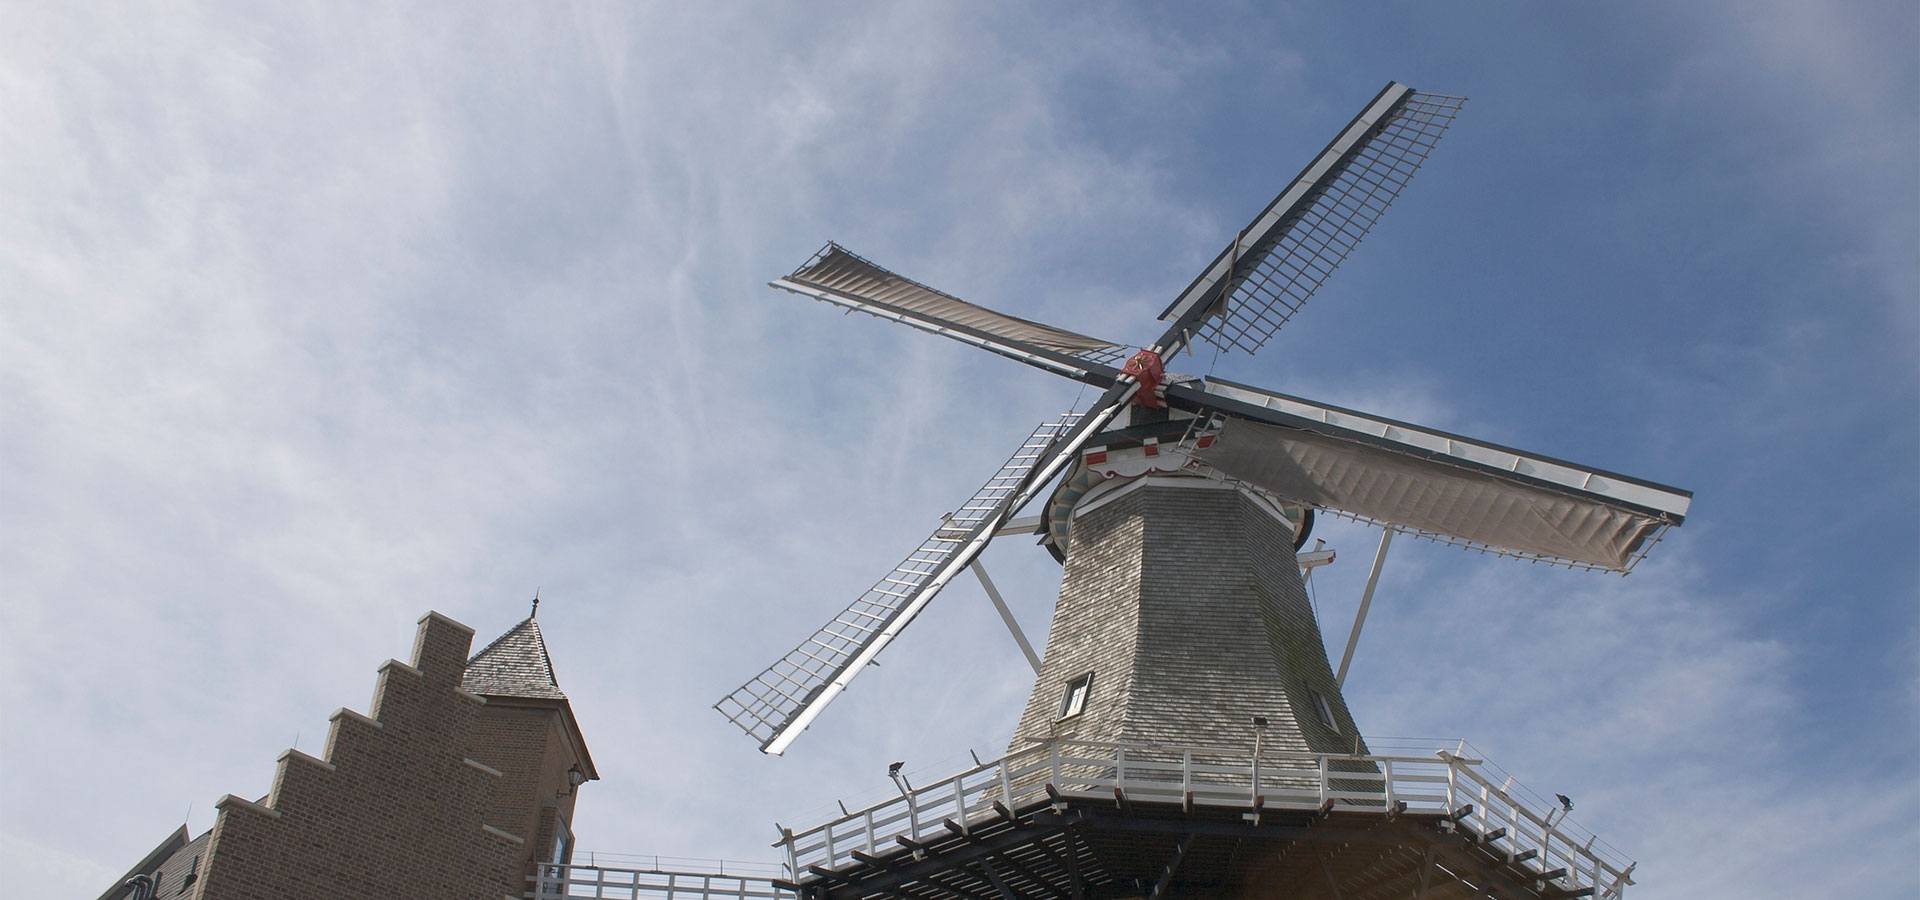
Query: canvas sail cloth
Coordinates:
[1444,486]
[840,276]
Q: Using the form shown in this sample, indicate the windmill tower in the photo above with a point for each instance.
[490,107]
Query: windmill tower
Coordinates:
[1186,735]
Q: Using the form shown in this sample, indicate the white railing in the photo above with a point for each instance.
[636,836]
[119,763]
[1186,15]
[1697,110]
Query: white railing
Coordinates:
[1444,782]
[553,882]
[685,865]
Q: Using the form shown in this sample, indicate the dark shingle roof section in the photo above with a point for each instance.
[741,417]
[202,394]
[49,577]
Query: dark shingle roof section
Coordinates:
[514,665]
[169,865]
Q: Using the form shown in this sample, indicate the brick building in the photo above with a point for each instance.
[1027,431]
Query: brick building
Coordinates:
[459,779]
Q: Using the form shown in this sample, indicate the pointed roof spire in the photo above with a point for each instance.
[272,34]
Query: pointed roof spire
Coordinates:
[536,604]
[516,664]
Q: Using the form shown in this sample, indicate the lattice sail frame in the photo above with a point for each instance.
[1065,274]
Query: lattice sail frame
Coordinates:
[1294,245]
[1240,301]
[764,706]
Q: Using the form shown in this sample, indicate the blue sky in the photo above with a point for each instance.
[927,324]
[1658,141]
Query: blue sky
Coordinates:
[313,318]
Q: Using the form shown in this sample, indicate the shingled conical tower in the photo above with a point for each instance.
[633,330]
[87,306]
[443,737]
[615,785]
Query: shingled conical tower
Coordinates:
[1182,617]
[527,730]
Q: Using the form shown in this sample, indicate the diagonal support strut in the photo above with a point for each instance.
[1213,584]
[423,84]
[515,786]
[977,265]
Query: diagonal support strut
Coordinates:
[1366,600]
[1006,615]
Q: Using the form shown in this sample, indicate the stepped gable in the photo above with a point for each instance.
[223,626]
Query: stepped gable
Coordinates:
[456,783]
[516,664]
[396,805]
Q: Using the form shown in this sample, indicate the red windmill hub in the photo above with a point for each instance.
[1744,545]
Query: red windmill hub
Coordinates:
[1146,368]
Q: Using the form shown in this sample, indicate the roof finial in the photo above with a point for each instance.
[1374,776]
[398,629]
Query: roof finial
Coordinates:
[536,604]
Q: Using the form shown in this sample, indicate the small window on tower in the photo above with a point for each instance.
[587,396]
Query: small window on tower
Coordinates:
[562,842]
[1076,698]
[1326,711]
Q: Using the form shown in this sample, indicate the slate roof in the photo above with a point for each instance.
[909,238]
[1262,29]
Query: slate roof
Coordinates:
[514,665]
[169,865]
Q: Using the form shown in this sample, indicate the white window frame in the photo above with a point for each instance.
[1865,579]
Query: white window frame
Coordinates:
[1074,702]
[1325,708]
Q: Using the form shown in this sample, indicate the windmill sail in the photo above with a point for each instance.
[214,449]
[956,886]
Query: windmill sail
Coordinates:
[1293,246]
[779,703]
[1436,484]
[837,275]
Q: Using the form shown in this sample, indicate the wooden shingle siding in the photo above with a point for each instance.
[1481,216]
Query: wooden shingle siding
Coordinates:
[1188,607]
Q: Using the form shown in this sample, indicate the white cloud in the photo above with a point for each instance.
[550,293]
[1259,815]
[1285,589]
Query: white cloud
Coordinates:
[1674,726]
[311,320]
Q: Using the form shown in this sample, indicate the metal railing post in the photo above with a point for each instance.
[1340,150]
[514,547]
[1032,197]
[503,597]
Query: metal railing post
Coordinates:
[1513,823]
[1546,842]
[960,805]
[1619,887]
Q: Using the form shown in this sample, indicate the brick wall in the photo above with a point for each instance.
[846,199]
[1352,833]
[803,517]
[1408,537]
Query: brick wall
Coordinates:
[529,743]
[397,806]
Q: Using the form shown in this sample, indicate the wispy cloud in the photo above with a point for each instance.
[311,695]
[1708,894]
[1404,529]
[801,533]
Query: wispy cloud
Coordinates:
[312,319]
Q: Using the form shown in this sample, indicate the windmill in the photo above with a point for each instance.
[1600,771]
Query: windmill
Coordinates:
[1177,507]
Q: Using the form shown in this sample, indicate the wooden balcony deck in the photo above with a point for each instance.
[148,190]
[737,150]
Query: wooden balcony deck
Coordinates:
[1078,820]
